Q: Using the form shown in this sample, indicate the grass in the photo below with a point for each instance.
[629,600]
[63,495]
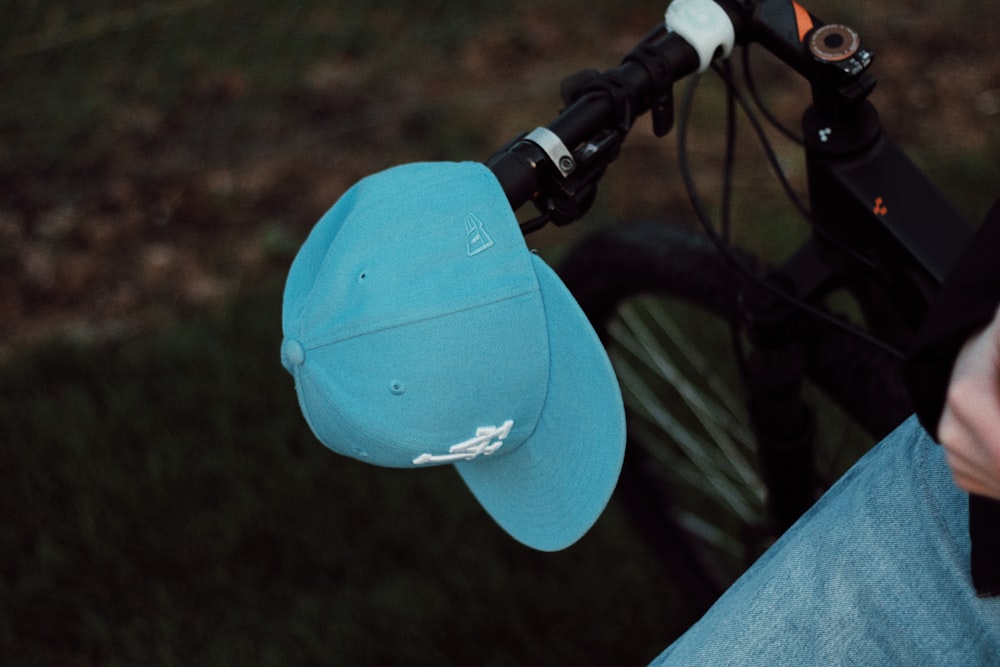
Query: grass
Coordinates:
[165,504]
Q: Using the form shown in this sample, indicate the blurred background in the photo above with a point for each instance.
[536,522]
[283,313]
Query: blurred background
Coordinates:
[160,162]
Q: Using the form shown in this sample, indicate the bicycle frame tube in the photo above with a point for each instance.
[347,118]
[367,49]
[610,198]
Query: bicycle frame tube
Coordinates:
[880,202]
[879,187]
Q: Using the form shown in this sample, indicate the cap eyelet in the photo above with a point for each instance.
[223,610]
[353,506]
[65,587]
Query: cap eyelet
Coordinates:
[292,352]
[397,388]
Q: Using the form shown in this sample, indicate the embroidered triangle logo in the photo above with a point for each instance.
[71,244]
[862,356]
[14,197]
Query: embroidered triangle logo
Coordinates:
[476,236]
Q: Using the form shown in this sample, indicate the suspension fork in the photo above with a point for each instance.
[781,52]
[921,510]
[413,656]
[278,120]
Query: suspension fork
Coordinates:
[778,334]
[784,424]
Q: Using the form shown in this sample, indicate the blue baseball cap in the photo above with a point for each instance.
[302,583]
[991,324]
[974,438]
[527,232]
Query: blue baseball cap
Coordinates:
[421,331]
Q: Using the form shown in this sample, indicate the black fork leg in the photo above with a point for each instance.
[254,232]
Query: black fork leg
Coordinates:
[784,424]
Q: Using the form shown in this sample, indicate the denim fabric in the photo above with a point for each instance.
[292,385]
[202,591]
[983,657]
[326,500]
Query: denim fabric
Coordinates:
[875,574]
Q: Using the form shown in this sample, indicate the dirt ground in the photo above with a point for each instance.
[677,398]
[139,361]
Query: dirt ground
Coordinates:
[182,208]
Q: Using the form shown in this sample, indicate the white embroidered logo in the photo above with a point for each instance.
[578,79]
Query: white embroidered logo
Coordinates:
[488,439]
[476,236]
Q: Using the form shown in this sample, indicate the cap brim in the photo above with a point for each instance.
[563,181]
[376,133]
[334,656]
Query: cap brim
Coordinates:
[553,488]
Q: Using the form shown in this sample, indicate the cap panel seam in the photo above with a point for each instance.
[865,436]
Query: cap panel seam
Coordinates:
[430,318]
[349,200]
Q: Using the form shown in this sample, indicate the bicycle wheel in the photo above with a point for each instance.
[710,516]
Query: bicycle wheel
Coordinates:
[661,297]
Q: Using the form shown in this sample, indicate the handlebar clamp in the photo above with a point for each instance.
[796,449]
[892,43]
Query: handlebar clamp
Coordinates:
[554,148]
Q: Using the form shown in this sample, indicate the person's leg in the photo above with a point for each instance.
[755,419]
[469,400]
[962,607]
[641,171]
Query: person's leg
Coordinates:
[875,574]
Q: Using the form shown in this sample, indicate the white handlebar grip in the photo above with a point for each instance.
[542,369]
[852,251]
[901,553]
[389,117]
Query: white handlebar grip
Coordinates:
[705,26]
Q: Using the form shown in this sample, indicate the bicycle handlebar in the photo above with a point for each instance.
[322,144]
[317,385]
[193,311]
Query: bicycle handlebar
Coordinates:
[608,102]
[558,166]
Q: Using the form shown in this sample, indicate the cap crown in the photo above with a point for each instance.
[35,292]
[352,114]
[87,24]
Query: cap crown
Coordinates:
[417,336]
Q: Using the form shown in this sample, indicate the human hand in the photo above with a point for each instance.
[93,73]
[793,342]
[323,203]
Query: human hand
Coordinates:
[969,428]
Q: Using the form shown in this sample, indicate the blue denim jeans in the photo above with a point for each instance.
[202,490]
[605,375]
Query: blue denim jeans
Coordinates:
[875,574]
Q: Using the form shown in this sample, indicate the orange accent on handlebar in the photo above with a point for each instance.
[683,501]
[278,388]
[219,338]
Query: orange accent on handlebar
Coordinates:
[803,19]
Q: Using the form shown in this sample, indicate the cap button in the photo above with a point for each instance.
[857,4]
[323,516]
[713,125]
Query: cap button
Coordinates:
[292,353]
